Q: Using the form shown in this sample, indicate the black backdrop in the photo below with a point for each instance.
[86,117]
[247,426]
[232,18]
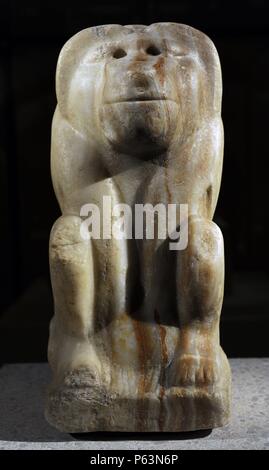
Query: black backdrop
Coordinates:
[31,36]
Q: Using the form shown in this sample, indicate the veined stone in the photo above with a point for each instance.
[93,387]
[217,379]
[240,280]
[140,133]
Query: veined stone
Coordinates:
[134,342]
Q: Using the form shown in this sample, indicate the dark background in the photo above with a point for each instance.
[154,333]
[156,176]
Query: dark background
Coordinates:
[31,36]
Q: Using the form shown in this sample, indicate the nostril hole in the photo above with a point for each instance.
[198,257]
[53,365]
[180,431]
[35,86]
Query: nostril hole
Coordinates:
[153,50]
[119,53]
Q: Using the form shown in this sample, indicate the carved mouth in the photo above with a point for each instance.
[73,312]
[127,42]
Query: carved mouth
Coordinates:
[139,99]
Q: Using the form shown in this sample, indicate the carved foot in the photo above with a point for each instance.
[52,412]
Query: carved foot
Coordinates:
[190,369]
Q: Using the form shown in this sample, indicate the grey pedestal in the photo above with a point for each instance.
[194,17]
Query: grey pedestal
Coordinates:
[22,424]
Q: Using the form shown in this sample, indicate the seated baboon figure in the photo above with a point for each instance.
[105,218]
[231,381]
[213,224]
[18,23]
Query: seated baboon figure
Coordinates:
[134,342]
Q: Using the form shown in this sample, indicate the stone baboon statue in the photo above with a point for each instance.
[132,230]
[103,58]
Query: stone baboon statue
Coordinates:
[134,342]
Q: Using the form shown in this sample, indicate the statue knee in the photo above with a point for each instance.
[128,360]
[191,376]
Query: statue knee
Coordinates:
[205,246]
[66,243]
[66,231]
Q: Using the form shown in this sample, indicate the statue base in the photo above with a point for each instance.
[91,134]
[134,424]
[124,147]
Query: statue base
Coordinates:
[82,405]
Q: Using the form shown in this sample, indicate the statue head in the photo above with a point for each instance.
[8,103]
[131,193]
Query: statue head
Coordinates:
[138,89]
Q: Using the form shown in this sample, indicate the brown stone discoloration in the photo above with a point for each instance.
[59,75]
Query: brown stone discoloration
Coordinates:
[142,354]
[145,351]
[167,186]
[164,358]
[144,379]
[162,416]
[160,70]
[209,199]
[162,334]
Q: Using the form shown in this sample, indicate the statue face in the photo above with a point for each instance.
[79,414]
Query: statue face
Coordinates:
[138,90]
[144,95]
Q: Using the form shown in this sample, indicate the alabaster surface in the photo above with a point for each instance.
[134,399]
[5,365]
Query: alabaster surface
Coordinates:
[134,341]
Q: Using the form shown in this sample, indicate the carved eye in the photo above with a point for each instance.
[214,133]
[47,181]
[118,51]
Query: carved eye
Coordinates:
[119,53]
[153,50]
